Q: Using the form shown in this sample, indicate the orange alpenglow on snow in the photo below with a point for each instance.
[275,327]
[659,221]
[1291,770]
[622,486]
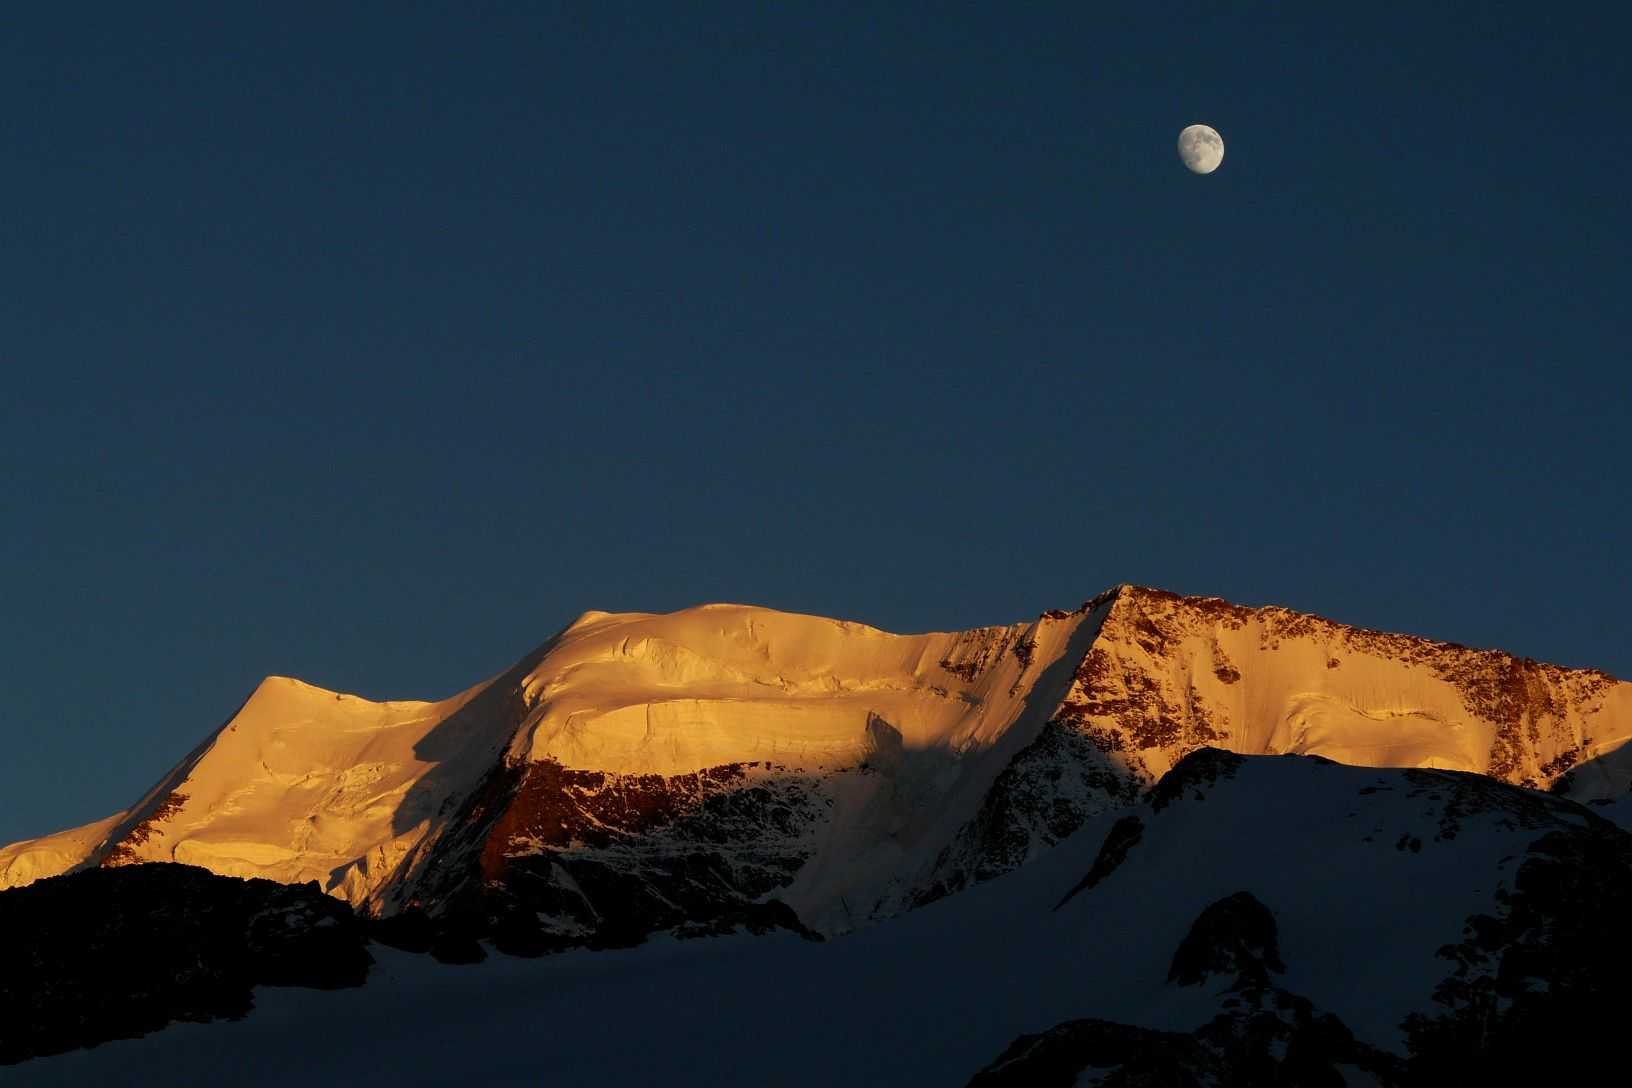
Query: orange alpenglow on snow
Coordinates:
[854,772]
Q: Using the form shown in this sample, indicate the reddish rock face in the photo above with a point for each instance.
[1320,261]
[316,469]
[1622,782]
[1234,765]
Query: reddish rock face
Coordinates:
[555,808]
[123,851]
[547,857]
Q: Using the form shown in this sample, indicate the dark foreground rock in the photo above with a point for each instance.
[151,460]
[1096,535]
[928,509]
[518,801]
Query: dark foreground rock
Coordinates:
[1550,969]
[1265,1036]
[1551,964]
[1235,936]
[116,953]
[1058,1057]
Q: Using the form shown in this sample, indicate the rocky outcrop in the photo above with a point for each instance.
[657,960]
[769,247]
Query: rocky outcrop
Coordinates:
[545,857]
[1193,775]
[115,953]
[122,851]
[1045,795]
[1265,1035]
[1124,836]
[1234,936]
[1552,963]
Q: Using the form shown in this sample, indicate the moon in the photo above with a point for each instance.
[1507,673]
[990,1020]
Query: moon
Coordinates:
[1201,148]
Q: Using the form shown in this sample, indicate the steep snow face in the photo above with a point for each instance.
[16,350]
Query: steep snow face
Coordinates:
[301,784]
[673,694]
[35,859]
[1168,674]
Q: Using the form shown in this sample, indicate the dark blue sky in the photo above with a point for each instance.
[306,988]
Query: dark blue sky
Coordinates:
[371,348]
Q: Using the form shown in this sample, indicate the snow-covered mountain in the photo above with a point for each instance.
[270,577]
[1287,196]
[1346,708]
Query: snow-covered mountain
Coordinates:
[1251,921]
[731,766]
[1057,852]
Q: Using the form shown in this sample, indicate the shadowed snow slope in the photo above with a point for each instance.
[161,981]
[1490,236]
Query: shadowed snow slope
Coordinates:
[1364,881]
[642,772]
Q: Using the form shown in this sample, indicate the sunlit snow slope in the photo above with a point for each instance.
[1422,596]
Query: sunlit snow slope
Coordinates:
[641,772]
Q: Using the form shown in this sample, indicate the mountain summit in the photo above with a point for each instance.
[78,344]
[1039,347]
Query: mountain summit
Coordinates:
[729,766]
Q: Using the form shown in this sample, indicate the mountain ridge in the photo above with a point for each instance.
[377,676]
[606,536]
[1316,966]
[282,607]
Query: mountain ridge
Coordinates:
[1275,919]
[640,771]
